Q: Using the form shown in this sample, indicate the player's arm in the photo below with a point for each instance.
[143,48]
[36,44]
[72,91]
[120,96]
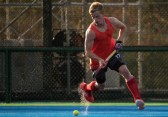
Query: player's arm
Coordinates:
[119,25]
[89,40]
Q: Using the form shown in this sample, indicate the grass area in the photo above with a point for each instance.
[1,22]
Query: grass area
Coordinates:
[79,104]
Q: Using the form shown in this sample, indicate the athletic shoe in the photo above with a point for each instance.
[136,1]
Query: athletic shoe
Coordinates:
[87,93]
[140,104]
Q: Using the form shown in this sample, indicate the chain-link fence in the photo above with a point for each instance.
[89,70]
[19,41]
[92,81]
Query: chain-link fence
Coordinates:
[146,19]
[23,75]
[54,74]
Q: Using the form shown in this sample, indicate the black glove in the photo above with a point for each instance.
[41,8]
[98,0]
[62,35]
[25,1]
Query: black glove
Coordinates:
[118,45]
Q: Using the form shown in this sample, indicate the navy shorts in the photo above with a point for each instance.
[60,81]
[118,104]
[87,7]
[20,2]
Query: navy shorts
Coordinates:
[114,63]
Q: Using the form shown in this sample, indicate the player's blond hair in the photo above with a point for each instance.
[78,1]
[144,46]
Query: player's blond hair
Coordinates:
[96,6]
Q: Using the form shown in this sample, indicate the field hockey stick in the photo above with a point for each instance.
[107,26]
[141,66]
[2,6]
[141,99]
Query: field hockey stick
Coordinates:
[100,70]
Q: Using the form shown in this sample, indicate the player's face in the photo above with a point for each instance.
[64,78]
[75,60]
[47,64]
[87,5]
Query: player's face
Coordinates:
[98,18]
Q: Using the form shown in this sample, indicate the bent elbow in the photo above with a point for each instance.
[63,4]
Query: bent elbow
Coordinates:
[125,28]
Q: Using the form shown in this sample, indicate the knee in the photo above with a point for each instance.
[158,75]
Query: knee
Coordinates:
[100,80]
[125,73]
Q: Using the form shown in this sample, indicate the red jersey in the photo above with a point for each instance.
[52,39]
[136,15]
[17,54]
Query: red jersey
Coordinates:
[104,43]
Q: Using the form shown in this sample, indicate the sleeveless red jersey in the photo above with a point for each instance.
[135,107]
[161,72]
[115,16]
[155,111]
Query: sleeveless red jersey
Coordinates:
[104,43]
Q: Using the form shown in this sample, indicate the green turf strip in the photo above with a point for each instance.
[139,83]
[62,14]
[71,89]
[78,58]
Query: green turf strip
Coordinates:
[79,104]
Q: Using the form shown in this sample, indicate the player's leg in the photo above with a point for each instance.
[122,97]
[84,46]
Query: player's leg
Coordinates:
[86,93]
[118,65]
[88,89]
[97,84]
[132,86]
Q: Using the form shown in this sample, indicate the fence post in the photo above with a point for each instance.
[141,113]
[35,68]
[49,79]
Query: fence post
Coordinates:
[47,23]
[8,75]
[67,15]
[139,43]
[47,42]
[84,7]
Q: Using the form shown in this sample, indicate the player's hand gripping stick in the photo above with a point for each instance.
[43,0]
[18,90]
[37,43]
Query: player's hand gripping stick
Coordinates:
[100,70]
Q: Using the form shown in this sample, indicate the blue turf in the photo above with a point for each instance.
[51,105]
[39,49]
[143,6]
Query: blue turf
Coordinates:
[93,111]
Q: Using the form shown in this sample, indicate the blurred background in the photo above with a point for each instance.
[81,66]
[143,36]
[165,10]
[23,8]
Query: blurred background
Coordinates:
[42,55]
